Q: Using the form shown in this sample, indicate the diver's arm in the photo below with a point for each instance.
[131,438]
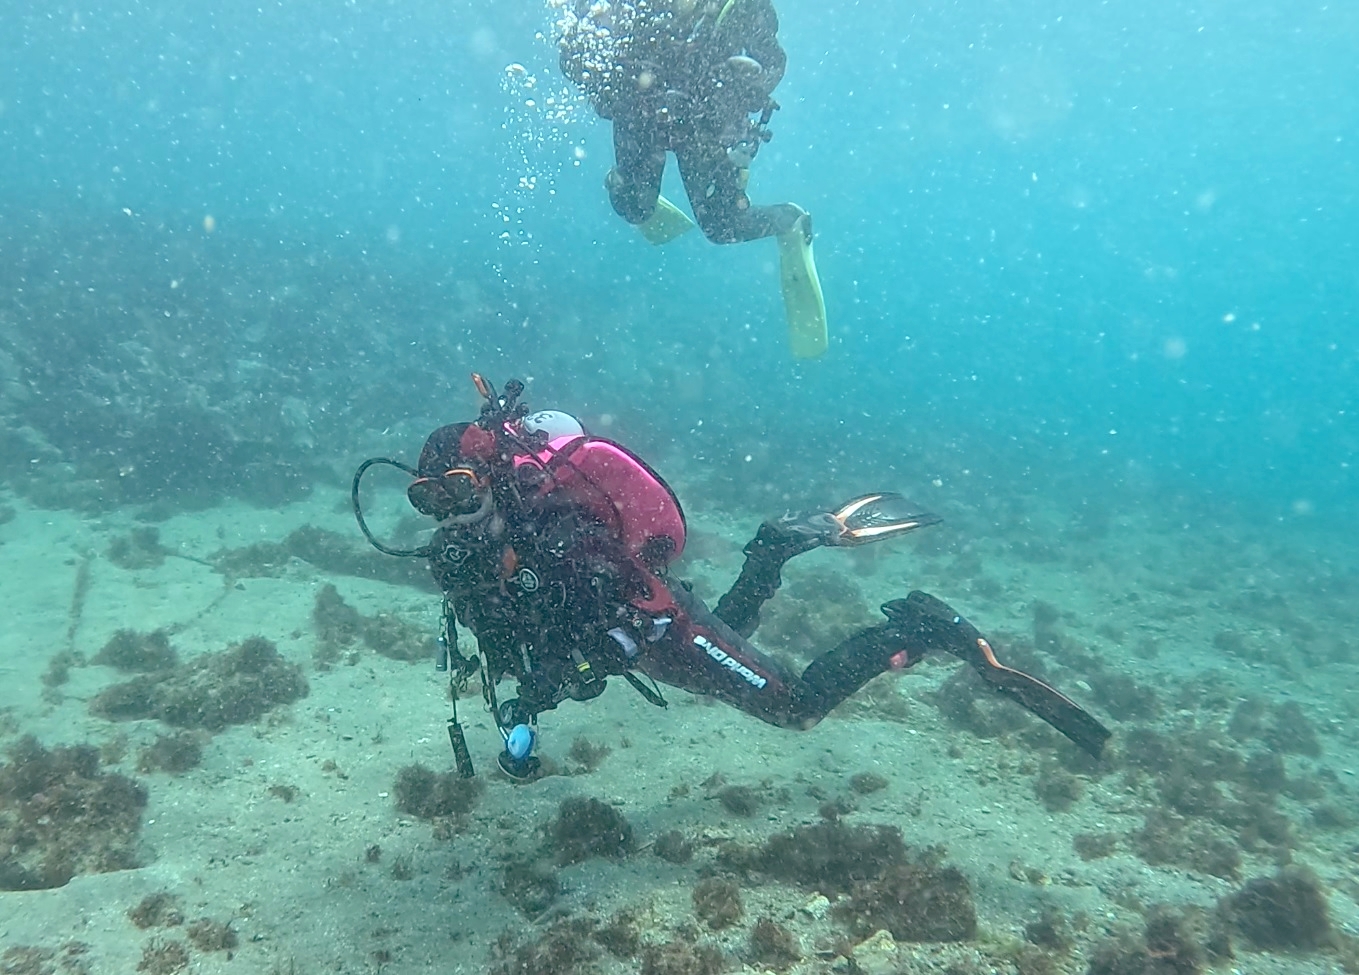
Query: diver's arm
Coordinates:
[762,43]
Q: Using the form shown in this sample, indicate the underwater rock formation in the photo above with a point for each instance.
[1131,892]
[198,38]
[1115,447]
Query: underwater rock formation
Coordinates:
[340,628]
[584,828]
[232,686]
[912,894]
[130,389]
[61,816]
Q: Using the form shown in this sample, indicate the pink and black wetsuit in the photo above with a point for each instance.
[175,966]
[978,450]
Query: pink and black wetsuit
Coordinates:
[567,575]
[583,568]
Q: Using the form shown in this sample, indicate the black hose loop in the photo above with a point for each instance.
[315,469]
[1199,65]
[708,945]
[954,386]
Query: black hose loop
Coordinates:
[414,553]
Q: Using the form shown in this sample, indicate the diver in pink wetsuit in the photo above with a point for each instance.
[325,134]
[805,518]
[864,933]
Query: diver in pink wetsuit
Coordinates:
[553,549]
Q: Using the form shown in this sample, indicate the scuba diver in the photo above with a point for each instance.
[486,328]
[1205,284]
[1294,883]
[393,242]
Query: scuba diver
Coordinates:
[694,77]
[553,549]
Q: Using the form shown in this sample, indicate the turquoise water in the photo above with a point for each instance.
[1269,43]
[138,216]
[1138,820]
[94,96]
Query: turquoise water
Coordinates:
[1090,277]
[1046,222]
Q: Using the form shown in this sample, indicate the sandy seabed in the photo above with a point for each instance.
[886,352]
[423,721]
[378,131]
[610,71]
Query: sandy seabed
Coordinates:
[274,832]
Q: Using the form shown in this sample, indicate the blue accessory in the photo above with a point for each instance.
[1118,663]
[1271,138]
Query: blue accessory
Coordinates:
[625,641]
[519,742]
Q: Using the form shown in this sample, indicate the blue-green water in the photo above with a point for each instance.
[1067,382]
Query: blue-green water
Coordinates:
[1044,222]
[1090,271]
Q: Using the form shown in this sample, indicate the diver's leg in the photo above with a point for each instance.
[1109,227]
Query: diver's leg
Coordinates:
[702,655]
[760,576]
[838,673]
[931,624]
[634,183]
[717,195]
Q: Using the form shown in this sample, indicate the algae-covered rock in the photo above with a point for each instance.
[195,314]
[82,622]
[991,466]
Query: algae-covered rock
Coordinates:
[340,628]
[586,827]
[912,894]
[61,816]
[213,691]
[421,792]
[876,955]
[1288,910]
[129,650]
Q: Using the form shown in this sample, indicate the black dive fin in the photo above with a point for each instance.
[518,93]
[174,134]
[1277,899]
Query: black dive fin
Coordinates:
[935,625]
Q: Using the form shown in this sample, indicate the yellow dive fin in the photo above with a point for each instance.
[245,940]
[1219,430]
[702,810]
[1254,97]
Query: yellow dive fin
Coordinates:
[667,223]
[802,300]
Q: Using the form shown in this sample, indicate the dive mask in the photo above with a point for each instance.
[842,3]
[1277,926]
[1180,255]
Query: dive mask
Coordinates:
[457,491]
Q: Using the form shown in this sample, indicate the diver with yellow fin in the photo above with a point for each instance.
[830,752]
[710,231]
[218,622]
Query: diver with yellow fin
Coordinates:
[695,77]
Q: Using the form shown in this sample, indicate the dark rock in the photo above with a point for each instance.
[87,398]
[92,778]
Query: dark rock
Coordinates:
[1286,911]
[421,792]
[213,691]
[717,903]
[586,827]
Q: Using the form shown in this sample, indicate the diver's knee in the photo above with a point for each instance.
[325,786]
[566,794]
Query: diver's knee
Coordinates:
[715,228]
[632,202]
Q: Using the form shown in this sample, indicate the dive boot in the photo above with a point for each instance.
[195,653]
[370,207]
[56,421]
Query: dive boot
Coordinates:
[869,518]
[923,619]
[803,303]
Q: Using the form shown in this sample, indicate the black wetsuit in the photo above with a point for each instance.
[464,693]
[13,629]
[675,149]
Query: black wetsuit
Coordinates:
[667,82]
